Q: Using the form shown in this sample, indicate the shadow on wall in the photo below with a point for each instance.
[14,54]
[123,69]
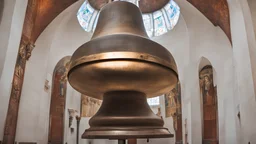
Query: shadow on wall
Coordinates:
[1,9]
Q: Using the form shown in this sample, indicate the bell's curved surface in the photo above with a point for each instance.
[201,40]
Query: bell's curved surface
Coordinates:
[121,57]
[123,67]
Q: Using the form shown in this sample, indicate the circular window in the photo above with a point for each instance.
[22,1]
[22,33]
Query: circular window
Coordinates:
[156,23]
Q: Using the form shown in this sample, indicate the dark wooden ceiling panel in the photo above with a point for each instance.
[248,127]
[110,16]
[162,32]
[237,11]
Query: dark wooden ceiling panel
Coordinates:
[46,12]
[39,14]
[149,6]
[30,19]
[216,11]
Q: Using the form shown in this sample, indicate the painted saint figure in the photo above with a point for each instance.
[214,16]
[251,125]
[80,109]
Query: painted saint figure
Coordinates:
[209,99]
[207,89]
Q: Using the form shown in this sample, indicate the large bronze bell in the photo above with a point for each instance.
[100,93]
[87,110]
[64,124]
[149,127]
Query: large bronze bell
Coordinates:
[123,67]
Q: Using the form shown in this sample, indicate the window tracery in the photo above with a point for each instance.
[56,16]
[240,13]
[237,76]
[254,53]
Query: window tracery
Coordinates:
[156,24]
[155,101]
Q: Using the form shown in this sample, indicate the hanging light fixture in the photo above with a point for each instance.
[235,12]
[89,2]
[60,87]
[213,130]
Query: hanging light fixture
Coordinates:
[121,66]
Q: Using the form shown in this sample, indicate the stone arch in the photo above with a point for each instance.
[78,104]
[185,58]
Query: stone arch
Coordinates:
[209,102]
[58,101]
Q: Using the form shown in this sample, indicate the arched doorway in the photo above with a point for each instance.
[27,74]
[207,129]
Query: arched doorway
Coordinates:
[209,106]
[58,101]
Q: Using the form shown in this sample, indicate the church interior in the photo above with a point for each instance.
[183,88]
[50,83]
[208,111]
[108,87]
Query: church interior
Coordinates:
[127,71]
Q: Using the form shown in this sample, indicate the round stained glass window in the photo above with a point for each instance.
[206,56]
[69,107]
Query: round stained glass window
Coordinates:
[156,23]
[154,101]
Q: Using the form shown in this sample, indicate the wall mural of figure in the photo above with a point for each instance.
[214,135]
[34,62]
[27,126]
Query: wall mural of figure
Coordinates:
[173,109]
[62,87]
[210,108]
[170,104]
[89,106]
[58,100]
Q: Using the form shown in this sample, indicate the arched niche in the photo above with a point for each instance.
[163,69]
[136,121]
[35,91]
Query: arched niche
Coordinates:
[209,103]
[58,101]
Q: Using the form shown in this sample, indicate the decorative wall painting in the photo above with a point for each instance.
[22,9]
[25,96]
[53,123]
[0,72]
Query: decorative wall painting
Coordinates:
[173,102]
[89,106]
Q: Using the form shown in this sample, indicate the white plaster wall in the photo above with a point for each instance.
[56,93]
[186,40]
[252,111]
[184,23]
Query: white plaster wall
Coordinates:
[56,42]
[193,38]
[217,49]
[73,101]
[10,35]
[177,42]
[84,124]
[203,40]
[7,11]
[244,57]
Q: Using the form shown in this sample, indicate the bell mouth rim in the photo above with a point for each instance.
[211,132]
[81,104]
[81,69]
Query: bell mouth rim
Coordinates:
[127,133]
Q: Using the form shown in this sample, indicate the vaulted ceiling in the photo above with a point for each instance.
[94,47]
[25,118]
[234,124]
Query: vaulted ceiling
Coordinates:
[40,13]
[216,11]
